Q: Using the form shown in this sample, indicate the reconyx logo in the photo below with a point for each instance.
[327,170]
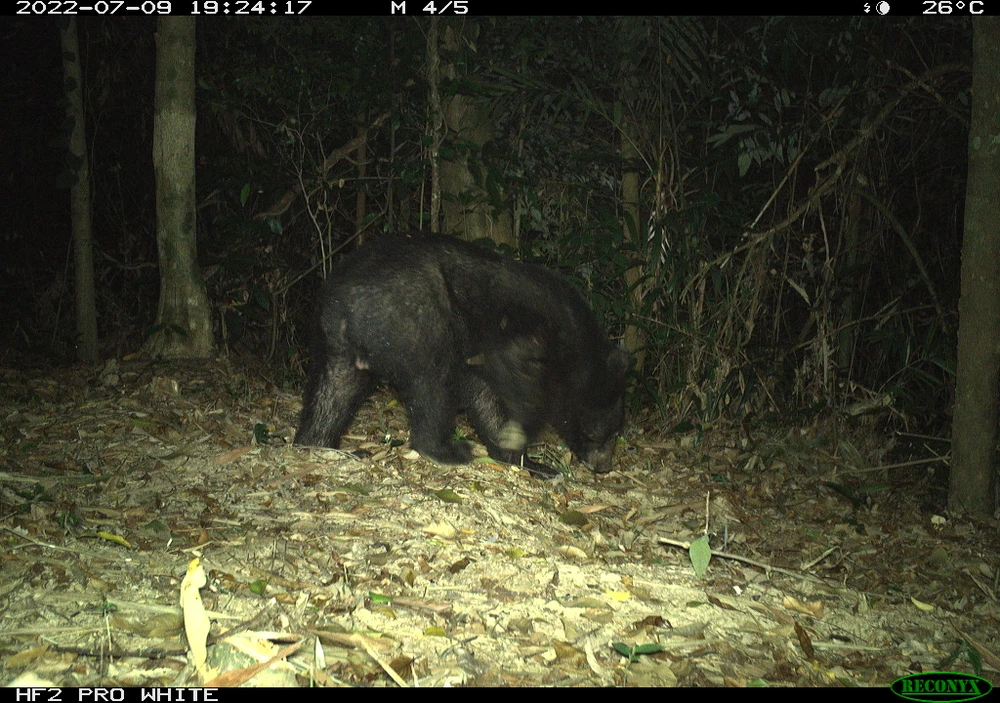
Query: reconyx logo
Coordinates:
[941,686]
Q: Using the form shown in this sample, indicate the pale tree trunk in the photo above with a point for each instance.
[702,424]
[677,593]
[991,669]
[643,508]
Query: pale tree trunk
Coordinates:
[465,207]
[183,317]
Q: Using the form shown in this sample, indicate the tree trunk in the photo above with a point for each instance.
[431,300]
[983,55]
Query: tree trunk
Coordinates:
[465,205]
[436,127]
[635,338]
[83,241]
[183,318]
[974,432]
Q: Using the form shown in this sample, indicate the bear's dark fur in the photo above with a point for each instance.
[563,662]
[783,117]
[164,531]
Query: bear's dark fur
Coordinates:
[453,327]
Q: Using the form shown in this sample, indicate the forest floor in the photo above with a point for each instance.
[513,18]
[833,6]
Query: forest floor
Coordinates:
[378,568]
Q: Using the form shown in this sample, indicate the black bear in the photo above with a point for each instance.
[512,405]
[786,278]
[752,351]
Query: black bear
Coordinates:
[453,327]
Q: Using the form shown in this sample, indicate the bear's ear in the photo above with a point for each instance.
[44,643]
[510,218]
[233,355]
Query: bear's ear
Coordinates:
[619,361]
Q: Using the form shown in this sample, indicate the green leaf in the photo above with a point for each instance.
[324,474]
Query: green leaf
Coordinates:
[700,554]
[447,495]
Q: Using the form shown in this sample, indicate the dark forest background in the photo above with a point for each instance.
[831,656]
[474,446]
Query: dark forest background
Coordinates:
[793,245]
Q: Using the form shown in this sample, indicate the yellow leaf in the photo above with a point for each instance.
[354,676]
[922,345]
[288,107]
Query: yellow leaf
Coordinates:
[618,595]
[196,622]
[118,539]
